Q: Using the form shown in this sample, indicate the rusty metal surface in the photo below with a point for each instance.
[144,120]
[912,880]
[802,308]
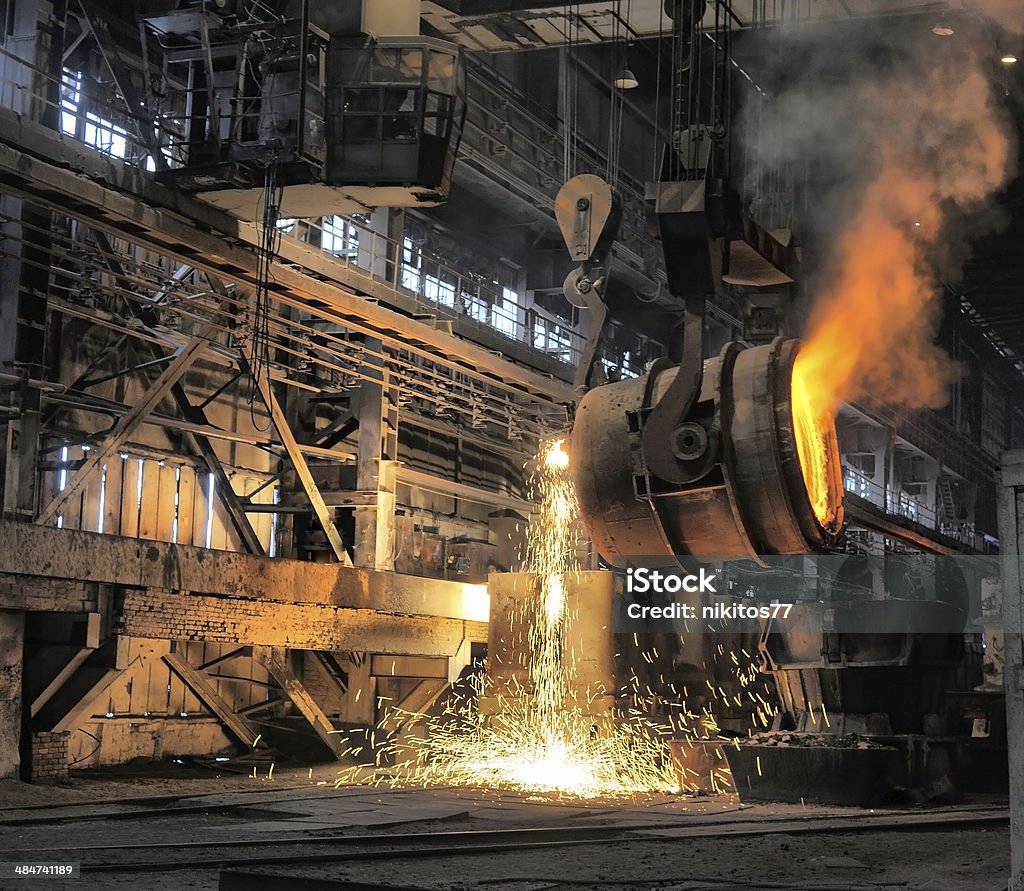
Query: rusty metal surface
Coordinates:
[49,553]
[775,507]
[617,521]
[19,592]
[673,408]
[309,626]
[750,498]
[850,776]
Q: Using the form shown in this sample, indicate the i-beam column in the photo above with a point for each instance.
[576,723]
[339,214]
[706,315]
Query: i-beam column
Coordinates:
[376,470]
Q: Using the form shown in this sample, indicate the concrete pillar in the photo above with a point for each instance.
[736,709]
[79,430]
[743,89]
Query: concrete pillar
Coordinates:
[376,468]
[12,635]
[588,641]
[1011,544]
[360,703]
[380,249]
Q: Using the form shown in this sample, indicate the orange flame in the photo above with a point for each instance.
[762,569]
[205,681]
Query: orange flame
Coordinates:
[872,329]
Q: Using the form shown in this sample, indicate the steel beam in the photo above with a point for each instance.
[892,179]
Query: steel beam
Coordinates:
[133,99]
[81,710]
[204,448]
[417,479]
[249,363]
[126,425]
[383,665]
[199,684]
[45,554]
[300,697]
[40,594]
[198,443]
[51,688]
[324,666]
[162,220]
[375,469]
[24,286]
[207,430]
[294,450]
[861,512]
[415,703]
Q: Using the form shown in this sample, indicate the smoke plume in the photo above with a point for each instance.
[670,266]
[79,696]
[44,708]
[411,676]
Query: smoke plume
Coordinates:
[908,142]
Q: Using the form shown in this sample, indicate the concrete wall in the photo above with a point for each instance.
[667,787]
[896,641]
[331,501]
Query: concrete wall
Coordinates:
[12,629]
[1011,546]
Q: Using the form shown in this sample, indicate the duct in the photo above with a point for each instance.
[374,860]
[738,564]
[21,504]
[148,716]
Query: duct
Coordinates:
[746,495]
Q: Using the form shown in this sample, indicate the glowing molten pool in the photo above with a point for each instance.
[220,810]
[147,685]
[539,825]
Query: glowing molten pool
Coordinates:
[814,430]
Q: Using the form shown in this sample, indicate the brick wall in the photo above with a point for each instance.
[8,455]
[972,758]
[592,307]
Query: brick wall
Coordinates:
[178,615]
[50,757]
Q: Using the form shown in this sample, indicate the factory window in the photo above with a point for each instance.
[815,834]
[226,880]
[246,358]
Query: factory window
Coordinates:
[275,520]
[620,366]
[177,504]
[70,96]
[105,136]
[552,338]
[339,237]
[100,133]
[505,315]
[856,482]
[476,307]
[902,504]
[211,505]
[439,291]
[62,480]
[103,500]
[412,261]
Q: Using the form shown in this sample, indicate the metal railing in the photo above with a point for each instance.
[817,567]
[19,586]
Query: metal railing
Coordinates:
[900,504]
[491,98]
[102,124]
[437,289]
[895,502]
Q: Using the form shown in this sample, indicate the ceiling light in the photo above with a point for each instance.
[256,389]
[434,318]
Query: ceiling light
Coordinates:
[1008,58]
[625,80]
[943,29]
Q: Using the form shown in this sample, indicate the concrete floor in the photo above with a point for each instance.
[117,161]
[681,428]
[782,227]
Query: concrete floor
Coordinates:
[663,842]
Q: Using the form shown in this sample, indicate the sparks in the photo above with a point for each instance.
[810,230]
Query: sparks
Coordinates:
[555,456]
[543,737]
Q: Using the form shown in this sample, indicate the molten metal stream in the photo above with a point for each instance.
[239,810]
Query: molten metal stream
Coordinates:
[545,739]
[812,420]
